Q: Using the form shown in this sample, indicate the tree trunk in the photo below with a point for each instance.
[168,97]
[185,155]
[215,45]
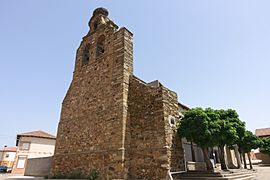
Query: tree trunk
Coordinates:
[237,155]
[229,158]
[244,159]
[222,158]
[207,161]
[241,157]
[250,164]
[240,153]
[192,152]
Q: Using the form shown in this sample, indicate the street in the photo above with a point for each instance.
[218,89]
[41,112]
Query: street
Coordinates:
[4,176]
[263,172]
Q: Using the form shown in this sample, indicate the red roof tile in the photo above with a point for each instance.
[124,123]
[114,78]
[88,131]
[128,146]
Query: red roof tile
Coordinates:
[9,149]
[40,134]
[262,132]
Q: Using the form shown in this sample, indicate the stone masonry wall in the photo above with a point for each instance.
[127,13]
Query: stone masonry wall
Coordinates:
[148,155]
[173,141]
[93,117]
[154,147]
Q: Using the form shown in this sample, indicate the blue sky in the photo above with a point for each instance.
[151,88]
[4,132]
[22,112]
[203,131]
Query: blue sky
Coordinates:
[213,53]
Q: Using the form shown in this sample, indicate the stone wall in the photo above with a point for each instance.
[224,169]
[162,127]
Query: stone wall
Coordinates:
[154,147]
[148,155]
[38,167]
[93,117]
[264,157]
[172,115]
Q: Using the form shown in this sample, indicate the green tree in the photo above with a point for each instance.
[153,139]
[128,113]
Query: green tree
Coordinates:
[240,127]
[197,127]
[265,146]
[230,130]
[208,128]
[249,142]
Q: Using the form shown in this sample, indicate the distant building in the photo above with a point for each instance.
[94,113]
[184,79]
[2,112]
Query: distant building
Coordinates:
[31,145]
[7,156]
[263,133]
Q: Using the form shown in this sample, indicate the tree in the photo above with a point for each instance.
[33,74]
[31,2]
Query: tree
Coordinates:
[249,142]
[208,128]
[240,127]
[265,146]
[244,158]
[235,147]
[228,123]
[197,127]
[192,152]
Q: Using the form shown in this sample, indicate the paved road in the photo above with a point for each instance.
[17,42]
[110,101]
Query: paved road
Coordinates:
[263,172]
[15,177]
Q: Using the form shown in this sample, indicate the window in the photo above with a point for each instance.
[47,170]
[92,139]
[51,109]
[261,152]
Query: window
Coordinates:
[24,145]
[21,162]
[172,121]
[100,46]
[86,55]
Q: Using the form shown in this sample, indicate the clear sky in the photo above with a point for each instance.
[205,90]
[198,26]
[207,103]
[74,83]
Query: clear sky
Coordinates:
[213,53]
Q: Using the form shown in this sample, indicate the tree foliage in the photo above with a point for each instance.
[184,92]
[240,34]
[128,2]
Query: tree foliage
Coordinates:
[197,127]
[265,146]
[250,141]
[228,133]
[209,128]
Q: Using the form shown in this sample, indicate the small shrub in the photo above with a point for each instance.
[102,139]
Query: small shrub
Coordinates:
[58,175]
[75,175]
[93,175]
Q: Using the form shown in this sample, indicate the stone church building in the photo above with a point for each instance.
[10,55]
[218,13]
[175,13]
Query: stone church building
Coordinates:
[111,120]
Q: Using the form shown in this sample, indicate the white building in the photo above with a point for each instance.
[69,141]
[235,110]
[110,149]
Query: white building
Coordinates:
[7,156]
[31,145]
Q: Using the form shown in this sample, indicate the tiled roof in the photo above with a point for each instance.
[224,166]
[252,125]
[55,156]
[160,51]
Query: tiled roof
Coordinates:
[262,132]
[183,106]
[40,134]
[9,149]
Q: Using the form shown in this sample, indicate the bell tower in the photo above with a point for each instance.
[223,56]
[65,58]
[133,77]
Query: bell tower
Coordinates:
[92,128]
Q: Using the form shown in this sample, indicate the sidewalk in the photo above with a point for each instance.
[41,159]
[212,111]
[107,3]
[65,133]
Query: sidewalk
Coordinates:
[15,177]
[263,172]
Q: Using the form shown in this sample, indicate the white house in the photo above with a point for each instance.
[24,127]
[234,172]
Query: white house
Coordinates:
[36,144]
[7,155]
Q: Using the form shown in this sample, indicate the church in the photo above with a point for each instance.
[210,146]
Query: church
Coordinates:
[112,121]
